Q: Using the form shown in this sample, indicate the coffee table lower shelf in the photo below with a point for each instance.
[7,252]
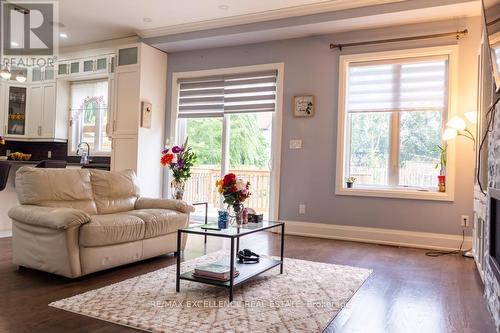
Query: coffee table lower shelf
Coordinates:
[247,271]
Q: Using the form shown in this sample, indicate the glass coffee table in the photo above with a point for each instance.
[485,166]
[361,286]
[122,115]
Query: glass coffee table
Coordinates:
[247,271]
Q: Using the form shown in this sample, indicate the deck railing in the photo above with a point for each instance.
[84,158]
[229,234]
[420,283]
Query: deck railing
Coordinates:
[201,186]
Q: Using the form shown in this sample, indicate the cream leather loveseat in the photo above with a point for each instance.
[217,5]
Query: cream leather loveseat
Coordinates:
[73,222]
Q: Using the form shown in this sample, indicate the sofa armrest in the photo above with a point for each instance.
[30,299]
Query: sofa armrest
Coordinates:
[178,205]
[49,217]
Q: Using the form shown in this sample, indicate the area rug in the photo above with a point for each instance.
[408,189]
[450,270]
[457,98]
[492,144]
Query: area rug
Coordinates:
[305,298]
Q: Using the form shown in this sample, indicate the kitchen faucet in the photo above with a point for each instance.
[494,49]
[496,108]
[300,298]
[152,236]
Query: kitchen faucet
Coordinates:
[85,155]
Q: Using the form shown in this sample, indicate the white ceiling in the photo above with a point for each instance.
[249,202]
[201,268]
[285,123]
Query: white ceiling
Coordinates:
[176,25]
[88,21]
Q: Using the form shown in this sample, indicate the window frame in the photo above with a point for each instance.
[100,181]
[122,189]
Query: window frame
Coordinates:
[99,136]
[401,192]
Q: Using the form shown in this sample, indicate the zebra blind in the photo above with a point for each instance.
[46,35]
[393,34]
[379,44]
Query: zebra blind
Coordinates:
[218,95]
[415,84]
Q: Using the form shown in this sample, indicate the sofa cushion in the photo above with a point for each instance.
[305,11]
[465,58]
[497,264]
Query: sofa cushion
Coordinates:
[111,229]
[159,222]
[64,188]
[114,191]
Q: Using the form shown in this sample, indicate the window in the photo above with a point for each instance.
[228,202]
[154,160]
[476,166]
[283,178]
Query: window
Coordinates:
[89,116]
[231,121]
[393,111]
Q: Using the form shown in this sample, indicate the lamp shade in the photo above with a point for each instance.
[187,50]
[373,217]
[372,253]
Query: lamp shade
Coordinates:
[456,123]
[449,134]
[471,117]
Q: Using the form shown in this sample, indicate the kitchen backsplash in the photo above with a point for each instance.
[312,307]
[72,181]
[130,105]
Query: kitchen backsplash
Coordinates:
[40,150]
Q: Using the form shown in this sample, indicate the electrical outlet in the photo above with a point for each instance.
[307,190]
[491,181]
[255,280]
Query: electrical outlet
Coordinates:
[465,220]
[302,209]
[49,154]
[295,144]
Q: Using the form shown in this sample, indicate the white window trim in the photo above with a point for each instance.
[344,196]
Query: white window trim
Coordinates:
[396,192]
[277,120]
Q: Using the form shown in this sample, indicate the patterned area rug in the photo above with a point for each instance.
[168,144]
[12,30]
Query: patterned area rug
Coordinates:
[304,298]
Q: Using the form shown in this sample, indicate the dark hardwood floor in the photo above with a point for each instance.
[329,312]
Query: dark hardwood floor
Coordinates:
[407,292]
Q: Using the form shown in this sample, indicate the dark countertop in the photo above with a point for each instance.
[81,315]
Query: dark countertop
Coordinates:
[6,167]
[15,162]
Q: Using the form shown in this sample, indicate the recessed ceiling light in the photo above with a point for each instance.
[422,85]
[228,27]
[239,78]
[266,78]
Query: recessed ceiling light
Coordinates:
[147,19]
[223,7]
[14,44]
[63,35]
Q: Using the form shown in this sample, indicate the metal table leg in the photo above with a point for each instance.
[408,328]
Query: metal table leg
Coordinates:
[282,246]
[231,272]
[206,218]
[178,274]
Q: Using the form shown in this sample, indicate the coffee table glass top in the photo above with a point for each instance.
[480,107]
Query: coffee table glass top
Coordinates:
[232,230]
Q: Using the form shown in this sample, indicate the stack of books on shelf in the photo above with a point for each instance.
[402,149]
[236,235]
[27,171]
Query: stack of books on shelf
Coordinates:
[218,272]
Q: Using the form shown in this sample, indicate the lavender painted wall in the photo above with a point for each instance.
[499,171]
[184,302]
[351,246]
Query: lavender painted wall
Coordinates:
[308,175]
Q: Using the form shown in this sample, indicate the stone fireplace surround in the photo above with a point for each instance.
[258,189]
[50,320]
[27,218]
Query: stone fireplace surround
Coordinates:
[482,215]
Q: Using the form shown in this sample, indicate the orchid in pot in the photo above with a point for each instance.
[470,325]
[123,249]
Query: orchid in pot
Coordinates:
[235,191]
[179,159]
[441,165]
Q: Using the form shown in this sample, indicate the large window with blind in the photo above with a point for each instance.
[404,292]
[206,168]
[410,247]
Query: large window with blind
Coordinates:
[230,120]
[392,114]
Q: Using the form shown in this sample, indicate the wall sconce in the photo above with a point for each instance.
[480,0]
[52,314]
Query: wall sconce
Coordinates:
[456,126]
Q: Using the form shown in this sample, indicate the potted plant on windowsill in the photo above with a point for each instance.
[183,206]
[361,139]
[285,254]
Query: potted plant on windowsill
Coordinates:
[349,181]
[441,165]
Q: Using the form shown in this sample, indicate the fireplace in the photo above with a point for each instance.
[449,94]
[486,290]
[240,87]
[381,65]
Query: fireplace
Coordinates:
[494,232]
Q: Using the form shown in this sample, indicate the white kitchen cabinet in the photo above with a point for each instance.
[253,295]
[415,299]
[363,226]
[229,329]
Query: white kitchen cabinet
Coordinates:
[126,102]
[36,111]
[140,76]
[39,74]
[3,106]
[17,111]
[42,111]
[124,153]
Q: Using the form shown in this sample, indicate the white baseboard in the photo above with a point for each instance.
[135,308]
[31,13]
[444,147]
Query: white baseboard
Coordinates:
[423,240]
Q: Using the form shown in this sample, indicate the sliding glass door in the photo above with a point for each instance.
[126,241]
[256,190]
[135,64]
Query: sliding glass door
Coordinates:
[237,143]
[229,119]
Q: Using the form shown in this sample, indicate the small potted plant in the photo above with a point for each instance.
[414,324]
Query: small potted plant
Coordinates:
[441,165]
[349,181]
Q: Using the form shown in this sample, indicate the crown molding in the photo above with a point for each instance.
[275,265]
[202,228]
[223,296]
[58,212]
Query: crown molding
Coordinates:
[322,7]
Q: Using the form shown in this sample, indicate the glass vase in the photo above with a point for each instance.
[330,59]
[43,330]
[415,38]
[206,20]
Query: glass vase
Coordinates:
[238,213]
[178,190]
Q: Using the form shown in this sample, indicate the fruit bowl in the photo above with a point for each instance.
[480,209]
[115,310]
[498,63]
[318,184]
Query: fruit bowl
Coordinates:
[17,156]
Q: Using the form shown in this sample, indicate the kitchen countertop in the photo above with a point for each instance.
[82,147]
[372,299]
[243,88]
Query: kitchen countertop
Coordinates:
[13,162]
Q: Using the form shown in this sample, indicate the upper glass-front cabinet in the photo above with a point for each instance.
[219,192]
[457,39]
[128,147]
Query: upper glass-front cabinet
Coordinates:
[128,56]
[39,74]
[16,116]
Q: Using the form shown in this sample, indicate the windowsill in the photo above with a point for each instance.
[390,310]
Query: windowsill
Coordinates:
[395,192]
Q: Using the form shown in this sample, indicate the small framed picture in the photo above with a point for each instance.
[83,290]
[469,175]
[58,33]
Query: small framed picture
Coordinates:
[303,106]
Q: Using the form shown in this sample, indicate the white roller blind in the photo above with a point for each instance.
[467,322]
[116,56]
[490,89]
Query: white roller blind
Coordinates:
[417,84]
[218,95]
